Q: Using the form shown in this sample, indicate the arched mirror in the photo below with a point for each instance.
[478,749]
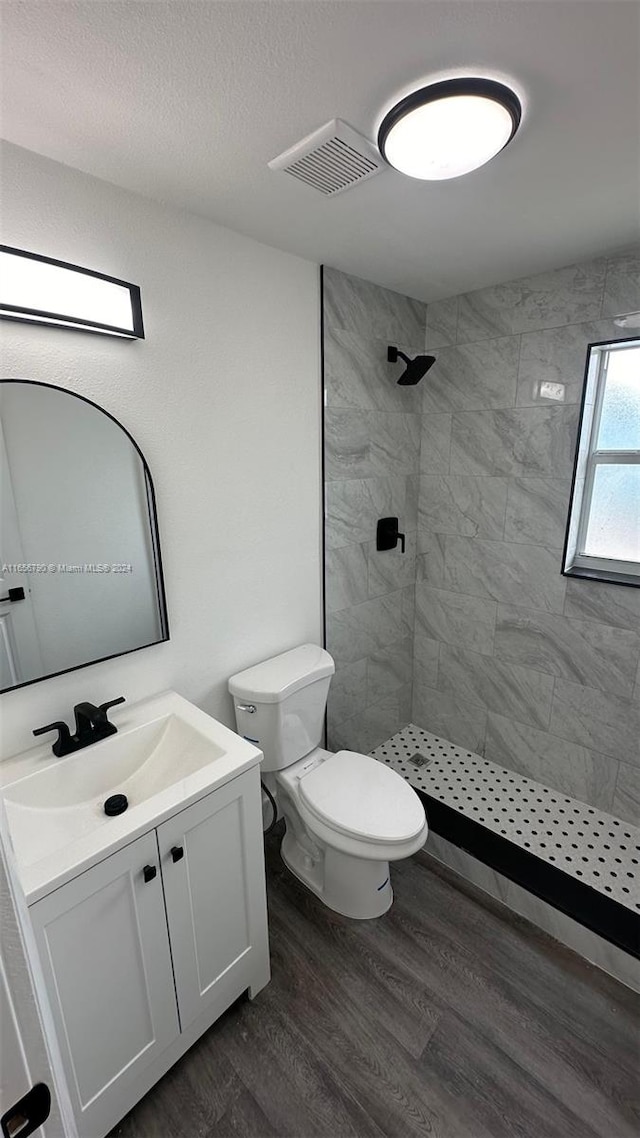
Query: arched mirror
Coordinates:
[80,573]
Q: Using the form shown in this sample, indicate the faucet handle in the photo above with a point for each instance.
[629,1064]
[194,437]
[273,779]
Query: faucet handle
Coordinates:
[63,743]
[111,703]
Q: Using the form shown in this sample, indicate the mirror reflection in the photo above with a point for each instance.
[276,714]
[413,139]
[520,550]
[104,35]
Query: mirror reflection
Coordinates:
[80,567]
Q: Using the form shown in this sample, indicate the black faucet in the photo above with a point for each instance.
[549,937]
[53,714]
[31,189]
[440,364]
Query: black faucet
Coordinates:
[91,726]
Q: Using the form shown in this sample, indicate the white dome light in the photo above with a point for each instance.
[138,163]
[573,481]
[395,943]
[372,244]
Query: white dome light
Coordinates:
[449,128]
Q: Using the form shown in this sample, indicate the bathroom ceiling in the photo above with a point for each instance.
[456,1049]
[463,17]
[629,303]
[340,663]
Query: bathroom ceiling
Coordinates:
[187,102]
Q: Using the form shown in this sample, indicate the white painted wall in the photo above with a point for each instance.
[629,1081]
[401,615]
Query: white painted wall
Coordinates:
[223,397]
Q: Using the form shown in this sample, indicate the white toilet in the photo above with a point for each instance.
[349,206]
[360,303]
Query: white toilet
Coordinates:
[347,815]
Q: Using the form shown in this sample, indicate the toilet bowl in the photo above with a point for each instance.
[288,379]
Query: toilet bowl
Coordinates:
[347,816]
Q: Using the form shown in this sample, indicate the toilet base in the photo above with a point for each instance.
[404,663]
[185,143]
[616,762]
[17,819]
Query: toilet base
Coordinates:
[353,886]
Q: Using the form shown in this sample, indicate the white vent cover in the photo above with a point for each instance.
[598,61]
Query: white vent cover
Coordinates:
[333,158]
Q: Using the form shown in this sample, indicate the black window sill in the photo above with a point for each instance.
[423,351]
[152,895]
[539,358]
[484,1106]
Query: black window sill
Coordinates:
[609,575]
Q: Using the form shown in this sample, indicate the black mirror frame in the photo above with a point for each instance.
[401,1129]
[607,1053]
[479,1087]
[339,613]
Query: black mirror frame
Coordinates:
[155,543]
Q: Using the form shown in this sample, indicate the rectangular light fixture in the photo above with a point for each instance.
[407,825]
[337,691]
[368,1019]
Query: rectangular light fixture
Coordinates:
[40,290]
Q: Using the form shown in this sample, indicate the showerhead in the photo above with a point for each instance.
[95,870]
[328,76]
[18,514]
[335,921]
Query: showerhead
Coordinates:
[415,368]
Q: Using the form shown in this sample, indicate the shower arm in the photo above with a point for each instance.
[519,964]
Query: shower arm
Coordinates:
[394,353]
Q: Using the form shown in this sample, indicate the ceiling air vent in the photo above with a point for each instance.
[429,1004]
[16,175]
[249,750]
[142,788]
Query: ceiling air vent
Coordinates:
[332,159]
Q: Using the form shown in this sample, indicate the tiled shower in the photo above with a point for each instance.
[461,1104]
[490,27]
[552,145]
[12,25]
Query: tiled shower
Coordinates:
[372,462]
[473,634]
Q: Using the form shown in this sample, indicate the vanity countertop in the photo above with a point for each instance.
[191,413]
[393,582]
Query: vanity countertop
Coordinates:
[166,754]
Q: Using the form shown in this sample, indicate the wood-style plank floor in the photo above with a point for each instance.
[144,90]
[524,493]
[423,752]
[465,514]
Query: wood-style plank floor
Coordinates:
[448,1018]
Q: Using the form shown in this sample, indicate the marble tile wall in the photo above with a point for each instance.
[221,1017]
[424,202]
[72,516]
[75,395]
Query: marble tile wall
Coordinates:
[537,671]
[372,466]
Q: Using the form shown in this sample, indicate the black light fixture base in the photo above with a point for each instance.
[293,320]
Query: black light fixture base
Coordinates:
[464,86]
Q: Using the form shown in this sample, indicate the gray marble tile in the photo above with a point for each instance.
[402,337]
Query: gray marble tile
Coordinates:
[425,660]
[579,650]
[473,377]
[564,296]
[514,574]
[403,700]
[366,628]
[622,285]
[343,736]
[389,669]
[391,569]
[442,322]
[346,576]
[348,691]
[618,605]
[408,610]
[508,689]
[435,444]
[358,376]
[367,308]
[546,300]
[524,441]
[471,507]
[410,516]
[450,716]
[430,557]
[486,313]
[537,510]
[370,444]
[626,798]
[455,619]
[552,361]
[353,507]
[598,720]
[557,763]
[372,726]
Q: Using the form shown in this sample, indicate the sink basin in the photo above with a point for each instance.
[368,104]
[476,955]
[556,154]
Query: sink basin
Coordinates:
[166,754]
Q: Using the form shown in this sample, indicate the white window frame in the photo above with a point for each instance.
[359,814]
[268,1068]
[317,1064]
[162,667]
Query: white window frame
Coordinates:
[576,562]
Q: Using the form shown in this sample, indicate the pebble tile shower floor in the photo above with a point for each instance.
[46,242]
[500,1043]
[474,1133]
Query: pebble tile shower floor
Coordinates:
[595,848]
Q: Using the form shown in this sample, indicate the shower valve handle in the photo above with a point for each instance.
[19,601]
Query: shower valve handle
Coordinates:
[388,535]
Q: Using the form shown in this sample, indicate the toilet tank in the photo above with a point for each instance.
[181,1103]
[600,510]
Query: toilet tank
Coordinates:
[280,704]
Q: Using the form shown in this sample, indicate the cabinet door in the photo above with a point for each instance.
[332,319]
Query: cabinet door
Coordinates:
[104,949]
[213,871]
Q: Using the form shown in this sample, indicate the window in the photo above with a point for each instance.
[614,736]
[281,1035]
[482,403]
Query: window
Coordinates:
[603,531]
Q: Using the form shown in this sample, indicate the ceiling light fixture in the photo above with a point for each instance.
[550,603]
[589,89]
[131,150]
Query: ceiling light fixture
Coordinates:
[449,128]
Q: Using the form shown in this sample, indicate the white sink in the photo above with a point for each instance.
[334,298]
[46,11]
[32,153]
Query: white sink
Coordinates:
[166,754]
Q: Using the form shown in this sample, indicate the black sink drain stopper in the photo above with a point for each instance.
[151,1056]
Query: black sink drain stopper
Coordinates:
[116,804]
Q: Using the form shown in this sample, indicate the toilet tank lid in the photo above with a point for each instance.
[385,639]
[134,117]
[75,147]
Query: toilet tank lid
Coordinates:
[273,680]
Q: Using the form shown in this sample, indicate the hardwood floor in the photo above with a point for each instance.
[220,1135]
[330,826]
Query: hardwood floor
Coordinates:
[448,1018]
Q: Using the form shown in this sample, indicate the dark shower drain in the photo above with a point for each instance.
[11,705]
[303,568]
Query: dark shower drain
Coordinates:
[419,760]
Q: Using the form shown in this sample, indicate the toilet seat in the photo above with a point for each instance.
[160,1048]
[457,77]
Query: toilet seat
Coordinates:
[360,798]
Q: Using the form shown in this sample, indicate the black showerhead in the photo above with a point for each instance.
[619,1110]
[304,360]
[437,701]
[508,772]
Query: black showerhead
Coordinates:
[415,369]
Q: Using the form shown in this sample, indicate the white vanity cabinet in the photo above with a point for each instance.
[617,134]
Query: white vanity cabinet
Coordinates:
[104,950]
[212,867]
[142,952]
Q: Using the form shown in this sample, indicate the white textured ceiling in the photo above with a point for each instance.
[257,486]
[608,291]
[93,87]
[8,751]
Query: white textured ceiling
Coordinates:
[187,101]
